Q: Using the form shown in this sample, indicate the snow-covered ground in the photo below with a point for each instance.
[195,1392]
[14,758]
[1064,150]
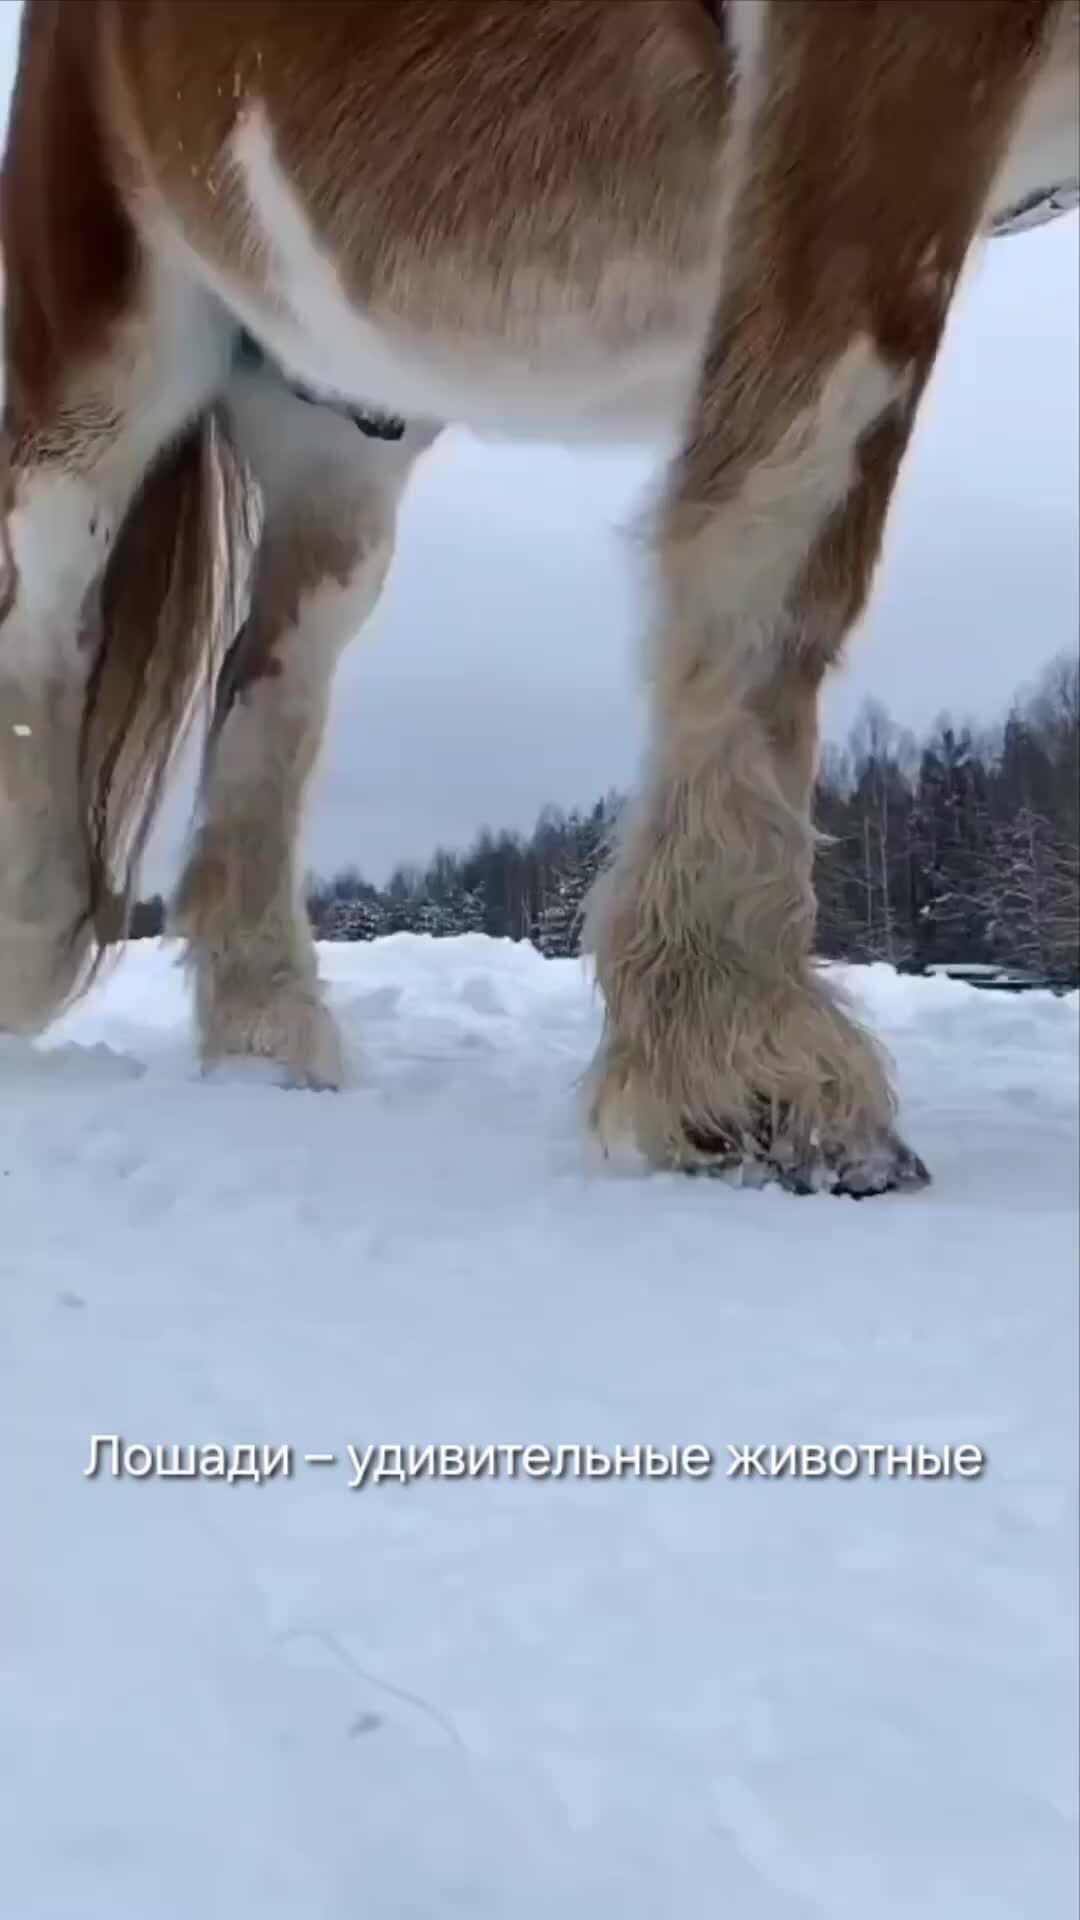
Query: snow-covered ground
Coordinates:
[604,1698]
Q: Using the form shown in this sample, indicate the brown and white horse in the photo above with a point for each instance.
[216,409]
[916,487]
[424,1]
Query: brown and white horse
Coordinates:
[258,253]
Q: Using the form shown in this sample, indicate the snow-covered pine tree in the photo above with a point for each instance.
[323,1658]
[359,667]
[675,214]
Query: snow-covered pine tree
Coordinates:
[557,927]
[361,919]
[465,911]
[433,917]
[556,930]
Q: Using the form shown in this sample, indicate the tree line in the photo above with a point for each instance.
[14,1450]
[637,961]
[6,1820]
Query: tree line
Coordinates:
[962,846]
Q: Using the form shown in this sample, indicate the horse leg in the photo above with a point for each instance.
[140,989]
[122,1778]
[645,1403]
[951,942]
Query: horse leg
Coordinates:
[724,1048]
[76,457]
[330,497]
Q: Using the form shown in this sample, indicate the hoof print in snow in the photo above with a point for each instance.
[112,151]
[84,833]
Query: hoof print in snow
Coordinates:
[479,993]
[365,1723]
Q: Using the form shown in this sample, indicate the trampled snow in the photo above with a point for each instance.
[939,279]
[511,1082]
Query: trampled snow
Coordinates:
[529,1698]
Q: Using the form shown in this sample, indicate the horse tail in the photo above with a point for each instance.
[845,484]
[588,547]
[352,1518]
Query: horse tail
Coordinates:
[171,604]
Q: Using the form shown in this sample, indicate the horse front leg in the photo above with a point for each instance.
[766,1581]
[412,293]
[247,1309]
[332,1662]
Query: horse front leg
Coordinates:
[725,1049]
[108,505]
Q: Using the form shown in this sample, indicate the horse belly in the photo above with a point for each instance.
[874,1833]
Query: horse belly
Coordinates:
[578,393]
[532,359]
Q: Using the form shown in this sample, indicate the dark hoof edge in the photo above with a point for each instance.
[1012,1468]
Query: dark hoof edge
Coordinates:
[265,1070]
[298,1081]
[766,1157]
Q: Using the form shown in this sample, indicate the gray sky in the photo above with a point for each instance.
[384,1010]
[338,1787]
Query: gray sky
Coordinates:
[500,670]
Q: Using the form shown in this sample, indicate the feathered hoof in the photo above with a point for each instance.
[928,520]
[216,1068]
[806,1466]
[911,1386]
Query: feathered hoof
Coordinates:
[289,1029]
[881,1163]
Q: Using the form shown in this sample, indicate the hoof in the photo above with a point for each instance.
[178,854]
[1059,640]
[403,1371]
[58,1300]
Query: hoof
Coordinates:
[889,1167]
[295,1033]
[313,1079]
[769,1155]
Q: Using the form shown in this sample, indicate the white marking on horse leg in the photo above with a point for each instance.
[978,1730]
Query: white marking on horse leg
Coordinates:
[734,577]
[330,497]
[718,1034]
[747,24]
[72,478]
[60,529]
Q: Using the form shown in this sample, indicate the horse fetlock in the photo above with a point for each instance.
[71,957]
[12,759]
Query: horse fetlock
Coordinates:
[45,931]
[699,1070]
[278,1015]
[41,966]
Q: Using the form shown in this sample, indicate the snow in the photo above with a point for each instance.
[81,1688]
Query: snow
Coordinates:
[666,1699]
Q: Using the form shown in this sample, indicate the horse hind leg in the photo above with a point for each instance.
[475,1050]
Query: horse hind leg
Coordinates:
[330,497]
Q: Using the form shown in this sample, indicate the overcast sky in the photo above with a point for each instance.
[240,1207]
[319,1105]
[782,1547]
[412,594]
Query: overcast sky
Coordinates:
[500,670]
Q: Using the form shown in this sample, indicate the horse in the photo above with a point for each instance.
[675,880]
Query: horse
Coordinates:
[258,256]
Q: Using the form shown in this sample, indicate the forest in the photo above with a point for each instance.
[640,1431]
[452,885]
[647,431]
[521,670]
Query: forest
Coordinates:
[961,847]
